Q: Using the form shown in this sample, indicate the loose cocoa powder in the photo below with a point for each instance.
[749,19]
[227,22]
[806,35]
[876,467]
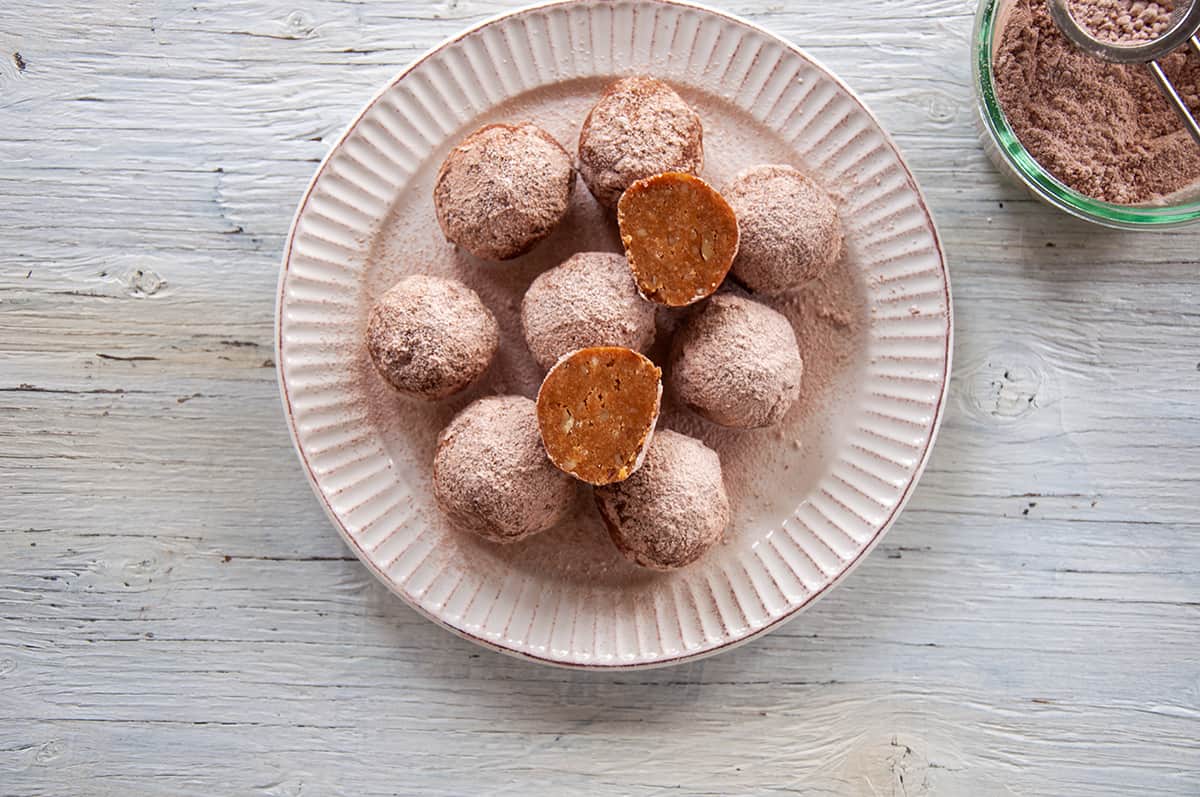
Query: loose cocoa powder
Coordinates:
[1103,129]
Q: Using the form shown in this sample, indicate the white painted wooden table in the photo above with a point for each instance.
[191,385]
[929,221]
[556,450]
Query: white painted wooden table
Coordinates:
[177,616]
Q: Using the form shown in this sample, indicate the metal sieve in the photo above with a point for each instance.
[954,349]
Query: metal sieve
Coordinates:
[1143,52]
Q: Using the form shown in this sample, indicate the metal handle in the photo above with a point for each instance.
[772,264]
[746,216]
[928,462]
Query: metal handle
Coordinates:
[1168,89]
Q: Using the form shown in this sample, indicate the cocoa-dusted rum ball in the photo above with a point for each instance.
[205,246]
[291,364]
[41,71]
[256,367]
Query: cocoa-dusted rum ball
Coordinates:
[491,475]
[503,189]
[431,337]
[791,231]
[639,127]
[588,300]
[673,509]
[737,363]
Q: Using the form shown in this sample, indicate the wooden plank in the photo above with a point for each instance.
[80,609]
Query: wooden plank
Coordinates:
[177,616]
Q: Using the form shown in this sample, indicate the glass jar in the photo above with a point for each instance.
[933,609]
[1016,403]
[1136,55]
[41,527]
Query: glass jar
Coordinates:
[1008,154]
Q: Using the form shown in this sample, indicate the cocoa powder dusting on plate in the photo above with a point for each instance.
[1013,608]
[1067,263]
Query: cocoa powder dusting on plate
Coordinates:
[1103,129]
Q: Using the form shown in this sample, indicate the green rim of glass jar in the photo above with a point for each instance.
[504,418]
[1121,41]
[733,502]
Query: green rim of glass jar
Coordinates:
[1030,172]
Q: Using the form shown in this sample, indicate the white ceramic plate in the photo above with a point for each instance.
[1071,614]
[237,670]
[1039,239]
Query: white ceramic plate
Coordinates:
[811,497]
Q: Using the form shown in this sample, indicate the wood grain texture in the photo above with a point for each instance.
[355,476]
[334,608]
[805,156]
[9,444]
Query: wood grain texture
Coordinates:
[177,616]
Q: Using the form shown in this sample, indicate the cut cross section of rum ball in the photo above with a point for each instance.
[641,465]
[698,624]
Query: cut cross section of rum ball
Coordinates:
[680,237]
[431,337]
[491,475]
[640,127]
[589,300]
[673,509]
[596,412]
[503,189]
